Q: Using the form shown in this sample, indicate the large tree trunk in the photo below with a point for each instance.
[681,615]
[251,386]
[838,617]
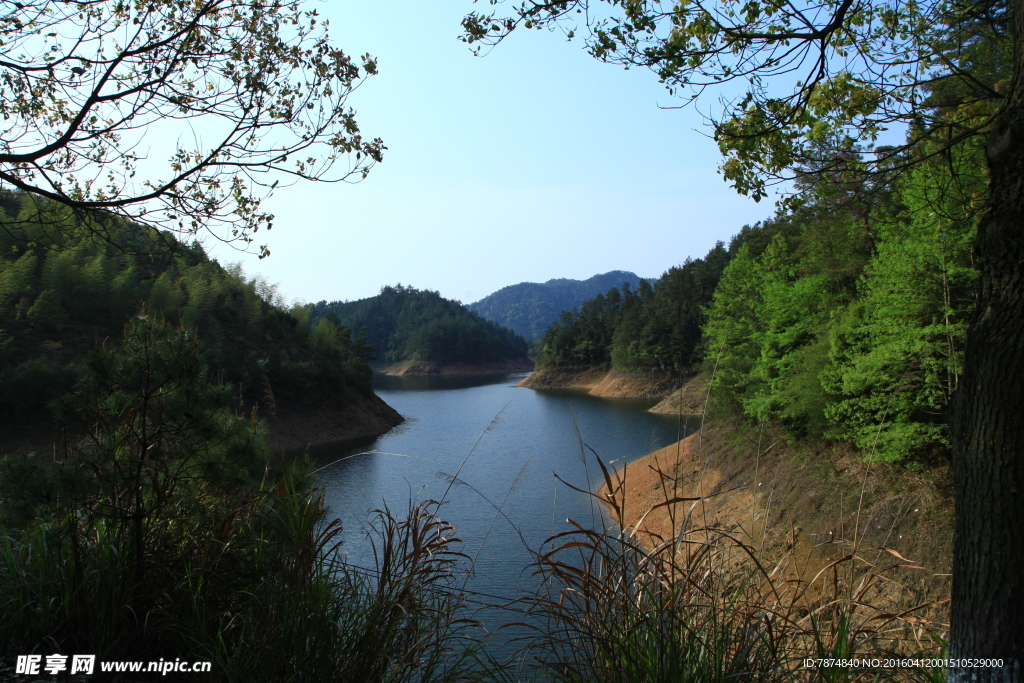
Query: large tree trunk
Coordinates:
[988,418]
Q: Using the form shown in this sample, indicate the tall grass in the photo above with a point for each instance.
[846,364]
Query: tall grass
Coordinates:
[256,587]
[703,605]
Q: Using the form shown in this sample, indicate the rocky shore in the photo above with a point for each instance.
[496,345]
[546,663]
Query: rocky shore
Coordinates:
[364,418]
[689,399]
[800,509]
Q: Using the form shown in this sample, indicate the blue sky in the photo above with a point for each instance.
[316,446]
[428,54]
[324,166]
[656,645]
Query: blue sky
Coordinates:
[533,162]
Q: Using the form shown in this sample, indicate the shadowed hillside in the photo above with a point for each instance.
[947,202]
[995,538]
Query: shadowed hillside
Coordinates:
[69,283]
[407,324]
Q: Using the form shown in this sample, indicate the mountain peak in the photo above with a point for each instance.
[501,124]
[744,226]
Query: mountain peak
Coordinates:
[530,307]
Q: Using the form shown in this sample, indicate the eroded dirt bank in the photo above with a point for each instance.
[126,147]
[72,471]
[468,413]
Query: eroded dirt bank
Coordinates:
[606,383]
[798,509]
[363,419]
[412,368]
[689,399]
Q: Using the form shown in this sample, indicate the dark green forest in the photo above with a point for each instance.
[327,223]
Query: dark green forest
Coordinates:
[161,524]
[529,308]
[69,284]
[404,323]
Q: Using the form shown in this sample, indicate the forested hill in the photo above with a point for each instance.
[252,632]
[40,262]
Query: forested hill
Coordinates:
[650,328]
[403,323]
[530,307]
[844,317]
[66,289]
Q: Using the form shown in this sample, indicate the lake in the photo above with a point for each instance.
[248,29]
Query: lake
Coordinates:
[505,445]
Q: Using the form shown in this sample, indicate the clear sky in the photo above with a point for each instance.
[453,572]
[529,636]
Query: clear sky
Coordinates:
[533,162]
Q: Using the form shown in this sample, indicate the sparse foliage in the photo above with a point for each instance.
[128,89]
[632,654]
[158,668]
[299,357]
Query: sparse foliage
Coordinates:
[802,82]
[179,114]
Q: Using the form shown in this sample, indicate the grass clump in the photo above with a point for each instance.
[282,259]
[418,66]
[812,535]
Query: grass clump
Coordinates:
[702,604]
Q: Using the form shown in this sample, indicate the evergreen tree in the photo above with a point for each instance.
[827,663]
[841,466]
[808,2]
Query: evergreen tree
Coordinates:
[896,355]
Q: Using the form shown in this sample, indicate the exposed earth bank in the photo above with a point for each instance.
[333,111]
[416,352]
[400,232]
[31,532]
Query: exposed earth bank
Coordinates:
[689,399]
[413,368]
[606,383]
[365,418]
[798,509]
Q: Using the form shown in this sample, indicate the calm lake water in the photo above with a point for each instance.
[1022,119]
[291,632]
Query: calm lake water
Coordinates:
[505,445]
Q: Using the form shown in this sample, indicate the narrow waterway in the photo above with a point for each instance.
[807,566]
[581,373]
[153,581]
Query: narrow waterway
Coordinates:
[491,452]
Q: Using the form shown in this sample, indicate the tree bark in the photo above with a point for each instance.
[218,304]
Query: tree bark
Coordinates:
[987,422]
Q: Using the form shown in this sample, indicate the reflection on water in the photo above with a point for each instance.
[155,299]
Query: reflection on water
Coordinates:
[490,451]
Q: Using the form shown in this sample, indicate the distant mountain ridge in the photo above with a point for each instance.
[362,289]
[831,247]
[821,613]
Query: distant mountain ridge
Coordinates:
[530,307]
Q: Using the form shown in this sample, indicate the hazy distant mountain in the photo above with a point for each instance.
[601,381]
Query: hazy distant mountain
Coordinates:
[529,307]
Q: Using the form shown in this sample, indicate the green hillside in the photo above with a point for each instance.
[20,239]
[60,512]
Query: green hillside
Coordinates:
[530,307]
[843,317]
[66,289]
[403,323]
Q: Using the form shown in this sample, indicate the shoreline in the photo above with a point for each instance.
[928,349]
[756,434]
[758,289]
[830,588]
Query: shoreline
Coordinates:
[416,368]
[364,419]
[637,500]
[318,428]
[605,383]
[798,510]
